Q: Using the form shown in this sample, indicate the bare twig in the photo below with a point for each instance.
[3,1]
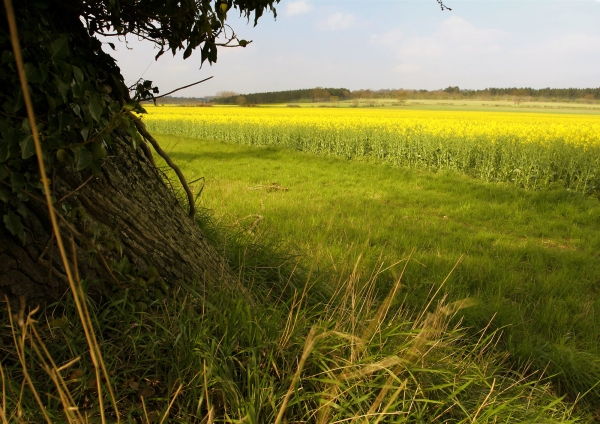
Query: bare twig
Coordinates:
[74,191]
[171,404]
[43,202]
[181,88]
[443,6]
[144,132]
[271,187]
[50,240]
[105,265]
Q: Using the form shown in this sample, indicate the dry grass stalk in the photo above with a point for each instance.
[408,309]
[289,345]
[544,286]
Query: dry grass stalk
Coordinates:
[76,289]
[19,342]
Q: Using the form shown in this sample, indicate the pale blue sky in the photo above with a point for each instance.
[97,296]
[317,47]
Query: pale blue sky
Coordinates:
[394,44]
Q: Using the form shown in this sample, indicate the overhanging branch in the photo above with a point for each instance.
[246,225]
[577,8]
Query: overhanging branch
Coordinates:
[144,132]
[181,88]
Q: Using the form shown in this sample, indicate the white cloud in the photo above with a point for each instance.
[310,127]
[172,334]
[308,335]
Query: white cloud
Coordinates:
[298,7]
[455,37]
[458,29]
[338,21]
[576,43]
[425,47]
[407,68]
[390,38]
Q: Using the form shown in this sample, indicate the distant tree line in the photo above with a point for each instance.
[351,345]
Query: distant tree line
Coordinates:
[171,100]
[488,93]
[320,94]
[534,93]
[548,93]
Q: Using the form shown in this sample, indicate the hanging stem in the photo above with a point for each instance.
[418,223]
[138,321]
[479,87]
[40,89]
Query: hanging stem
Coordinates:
[144,132]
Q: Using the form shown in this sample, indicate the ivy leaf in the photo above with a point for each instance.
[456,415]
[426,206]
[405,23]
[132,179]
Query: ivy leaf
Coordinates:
[11,135]
[83,158]
[85,132]
[4,172]
[96,167]
[8,56]
[63,88]
[136,138]
[4,195]
[98,150]
[78,74]
[77,109]
[95,109]
[32,74]
[27,147]
[13,223]
[44,70]
[62,155]
[130,105]
[4,152]
[107,138]
[64,120]
[22,209]
[60,48]
[17,181]
[51,102]
[18,103]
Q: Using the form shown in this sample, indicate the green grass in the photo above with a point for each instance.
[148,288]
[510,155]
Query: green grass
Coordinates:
[450,104]
[529,258]
[319,330]
[207,354]
[272,347]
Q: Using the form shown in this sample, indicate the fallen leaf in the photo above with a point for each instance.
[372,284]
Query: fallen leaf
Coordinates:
[75,376]
[146,391]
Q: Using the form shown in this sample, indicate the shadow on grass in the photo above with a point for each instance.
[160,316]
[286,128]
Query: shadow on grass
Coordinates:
[248,153]
[530,257]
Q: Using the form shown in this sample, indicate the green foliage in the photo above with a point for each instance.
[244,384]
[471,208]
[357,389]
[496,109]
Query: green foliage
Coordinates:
[175,25]
[77,90]
[455,92]
[558,93]
[283,96]
[235,353]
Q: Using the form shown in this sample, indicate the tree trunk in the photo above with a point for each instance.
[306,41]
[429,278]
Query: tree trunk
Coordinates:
[128,204]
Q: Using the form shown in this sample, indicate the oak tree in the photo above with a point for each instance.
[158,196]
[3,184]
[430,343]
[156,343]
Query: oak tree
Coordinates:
[126,225]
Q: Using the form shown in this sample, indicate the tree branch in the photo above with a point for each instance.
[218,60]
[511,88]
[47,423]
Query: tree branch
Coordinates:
[443,6]
[148,153]
[181,88]
[144,132]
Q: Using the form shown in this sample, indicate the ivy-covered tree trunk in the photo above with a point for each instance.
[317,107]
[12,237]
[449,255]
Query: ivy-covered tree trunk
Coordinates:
[126,208]
[126,224]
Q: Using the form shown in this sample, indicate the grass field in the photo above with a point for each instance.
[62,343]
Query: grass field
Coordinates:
[366,293]
[529,258]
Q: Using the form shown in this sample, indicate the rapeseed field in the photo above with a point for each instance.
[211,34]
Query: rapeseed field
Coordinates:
[532,150]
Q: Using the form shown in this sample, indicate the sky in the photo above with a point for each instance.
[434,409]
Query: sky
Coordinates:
[378,44]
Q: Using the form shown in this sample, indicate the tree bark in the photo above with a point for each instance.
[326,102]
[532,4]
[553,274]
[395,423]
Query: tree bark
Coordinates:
[129,200]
